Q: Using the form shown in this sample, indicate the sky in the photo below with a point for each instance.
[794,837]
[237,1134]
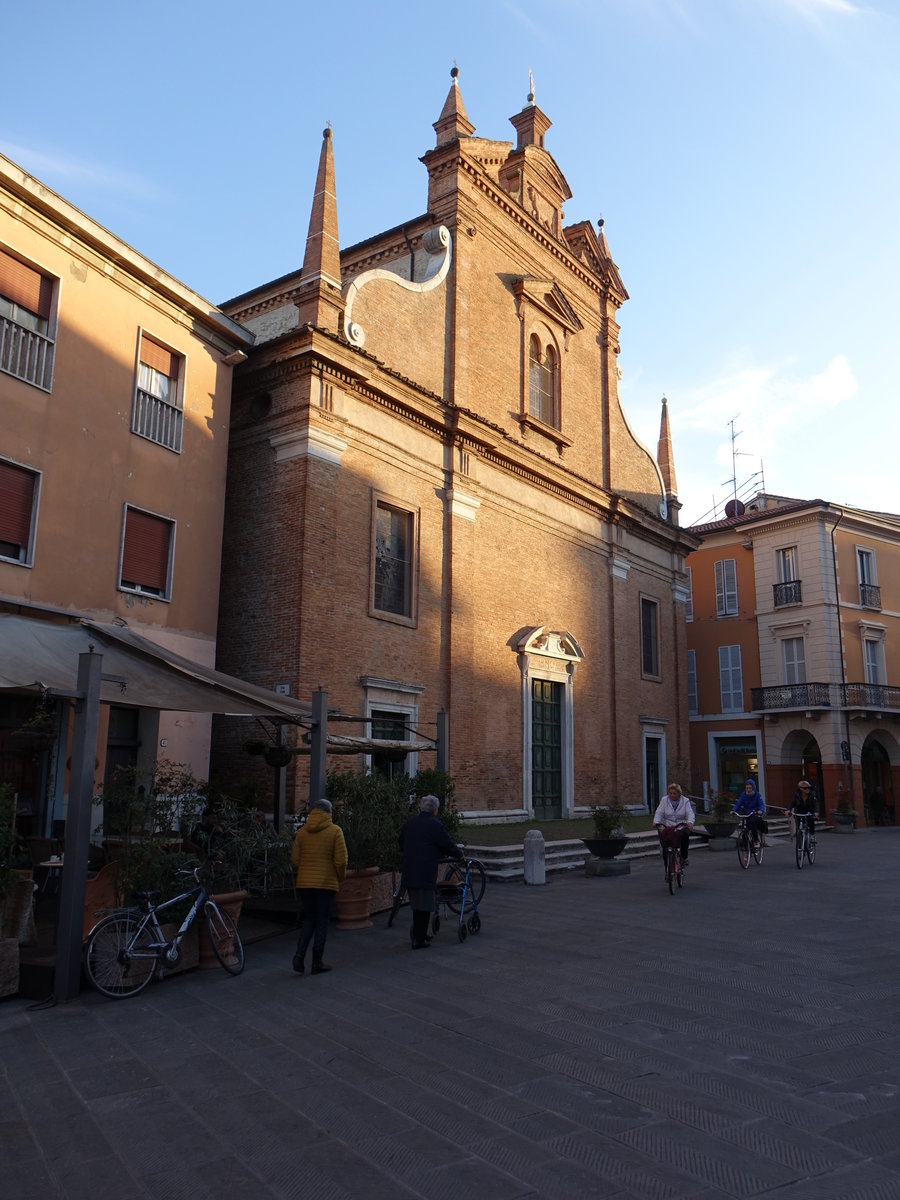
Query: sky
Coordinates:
[743,154]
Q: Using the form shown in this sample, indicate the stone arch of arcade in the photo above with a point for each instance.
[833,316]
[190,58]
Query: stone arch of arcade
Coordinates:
[879,759]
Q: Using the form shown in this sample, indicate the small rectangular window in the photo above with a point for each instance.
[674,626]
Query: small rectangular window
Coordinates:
[865,562]
[794,660]
[26,314]
[693,700]
[726,588]
[147,550]
[157,413]
[649,638]
[18,508]
[393,580]
[388,726]
[786,564]
[731,683]
[873,660]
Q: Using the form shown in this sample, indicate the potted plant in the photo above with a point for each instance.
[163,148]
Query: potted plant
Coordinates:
[844,816]
[609,838]
[723,823]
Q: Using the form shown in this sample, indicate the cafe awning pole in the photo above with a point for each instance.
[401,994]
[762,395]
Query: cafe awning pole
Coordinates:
[67,980]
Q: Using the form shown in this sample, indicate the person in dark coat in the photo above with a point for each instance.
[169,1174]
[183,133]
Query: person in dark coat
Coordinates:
[424,842]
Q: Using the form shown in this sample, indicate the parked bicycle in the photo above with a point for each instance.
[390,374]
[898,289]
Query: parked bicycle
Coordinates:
[749,844]
[805,841]
[125,949]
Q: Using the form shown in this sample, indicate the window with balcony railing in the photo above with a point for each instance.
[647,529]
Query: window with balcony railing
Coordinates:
[870,595]
[790,592]
[158,413]
[26,302]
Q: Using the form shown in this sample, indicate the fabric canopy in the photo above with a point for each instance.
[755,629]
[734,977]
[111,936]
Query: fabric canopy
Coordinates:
[37,654]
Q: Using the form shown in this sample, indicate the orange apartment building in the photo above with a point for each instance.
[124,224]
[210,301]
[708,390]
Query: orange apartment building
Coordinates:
[436,504]
[115,386]
[794,651]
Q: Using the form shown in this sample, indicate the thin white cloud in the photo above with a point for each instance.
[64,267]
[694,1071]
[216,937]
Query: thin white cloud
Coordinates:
[59,169]
[778,416]
[813,9]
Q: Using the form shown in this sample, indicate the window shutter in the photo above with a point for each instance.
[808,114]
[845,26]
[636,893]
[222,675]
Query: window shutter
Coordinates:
[25,286]
[158,357]
[16,504]
[145,558]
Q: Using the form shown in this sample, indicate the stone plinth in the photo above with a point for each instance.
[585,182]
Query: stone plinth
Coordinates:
[607,866]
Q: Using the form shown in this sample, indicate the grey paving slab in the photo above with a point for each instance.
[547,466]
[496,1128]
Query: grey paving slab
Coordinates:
[597,1038]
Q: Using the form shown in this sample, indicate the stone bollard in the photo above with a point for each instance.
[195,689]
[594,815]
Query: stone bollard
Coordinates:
[535,869]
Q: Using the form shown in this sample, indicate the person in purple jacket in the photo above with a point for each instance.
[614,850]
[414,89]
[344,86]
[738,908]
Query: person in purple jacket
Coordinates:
[751,805]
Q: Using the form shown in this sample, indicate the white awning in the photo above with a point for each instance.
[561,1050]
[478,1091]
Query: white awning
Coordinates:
[43,655]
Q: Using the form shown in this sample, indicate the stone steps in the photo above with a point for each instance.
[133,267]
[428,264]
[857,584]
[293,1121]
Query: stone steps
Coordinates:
[508,862]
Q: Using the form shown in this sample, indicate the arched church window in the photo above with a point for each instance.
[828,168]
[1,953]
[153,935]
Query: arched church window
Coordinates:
[543,376]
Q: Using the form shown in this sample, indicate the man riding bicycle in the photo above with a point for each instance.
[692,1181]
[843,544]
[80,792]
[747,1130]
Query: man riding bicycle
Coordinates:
[751,805]
[674,809]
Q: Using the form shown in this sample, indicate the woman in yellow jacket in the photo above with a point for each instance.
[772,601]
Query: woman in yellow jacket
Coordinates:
[319,855]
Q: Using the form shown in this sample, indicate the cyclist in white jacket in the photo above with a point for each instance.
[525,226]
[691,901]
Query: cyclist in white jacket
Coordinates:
[674,809]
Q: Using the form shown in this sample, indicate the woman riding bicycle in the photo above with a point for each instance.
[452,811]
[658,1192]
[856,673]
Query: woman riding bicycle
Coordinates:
[805,802]
[674,809]
[752,806]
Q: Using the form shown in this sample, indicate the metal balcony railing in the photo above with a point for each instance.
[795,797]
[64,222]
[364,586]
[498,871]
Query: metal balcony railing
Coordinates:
[870,695]
[157,420]
[791,695]
[873,696]
[26,354]
[870,595]
[790,592]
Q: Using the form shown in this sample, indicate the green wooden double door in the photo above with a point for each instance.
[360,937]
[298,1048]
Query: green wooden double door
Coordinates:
[546,749]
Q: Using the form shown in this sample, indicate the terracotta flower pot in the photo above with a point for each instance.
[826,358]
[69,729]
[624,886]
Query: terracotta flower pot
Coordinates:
[354,900]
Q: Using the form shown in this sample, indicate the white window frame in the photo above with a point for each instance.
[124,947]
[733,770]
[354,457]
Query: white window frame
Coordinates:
[28,559]
[41,343]
[726,587]
[787,564]
[158,419]
[137,590]
[689,602]
[873,657]
[693,695]
[731,679]
[712,755]
[866,574]
[397,697]
[793,665]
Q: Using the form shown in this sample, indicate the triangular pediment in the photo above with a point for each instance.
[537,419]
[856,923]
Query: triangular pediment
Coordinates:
[591,247]
[548,296]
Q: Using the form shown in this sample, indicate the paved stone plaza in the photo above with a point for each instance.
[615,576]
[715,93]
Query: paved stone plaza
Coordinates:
[597,1038]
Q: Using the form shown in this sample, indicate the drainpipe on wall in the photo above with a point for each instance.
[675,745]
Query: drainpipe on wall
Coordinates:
[848,766]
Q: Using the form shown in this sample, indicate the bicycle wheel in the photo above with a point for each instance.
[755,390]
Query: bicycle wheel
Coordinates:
[117,958]
[757,850]
[456,873]
[679,870]
[811,851]
[224,938]
[743,849]
[800,849]
[670,871]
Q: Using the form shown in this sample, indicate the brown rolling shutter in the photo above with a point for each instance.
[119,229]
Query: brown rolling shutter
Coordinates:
[145,558]
[23,285]
[158,357]
[16,503]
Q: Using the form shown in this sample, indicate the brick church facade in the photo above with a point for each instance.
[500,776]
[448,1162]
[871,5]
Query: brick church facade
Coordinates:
[436,504]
